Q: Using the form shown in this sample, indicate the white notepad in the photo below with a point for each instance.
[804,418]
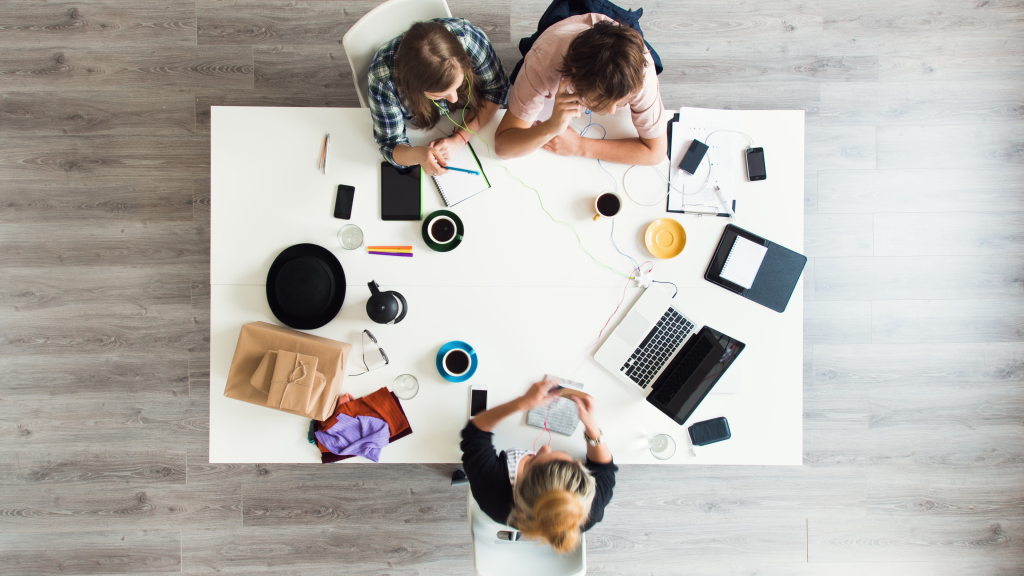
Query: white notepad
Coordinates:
[743,262]
[456,186]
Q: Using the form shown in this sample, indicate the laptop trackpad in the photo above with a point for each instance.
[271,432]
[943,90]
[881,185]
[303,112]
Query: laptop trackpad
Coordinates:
[633,329]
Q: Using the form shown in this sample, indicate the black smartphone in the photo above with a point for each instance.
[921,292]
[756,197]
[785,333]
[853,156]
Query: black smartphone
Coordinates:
[710,431]
[477,401]
[694,154]
[343,201]
[755,164]
[399,193]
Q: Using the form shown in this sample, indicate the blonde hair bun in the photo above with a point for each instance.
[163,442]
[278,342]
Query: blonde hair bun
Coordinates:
[553,503]
[558,516]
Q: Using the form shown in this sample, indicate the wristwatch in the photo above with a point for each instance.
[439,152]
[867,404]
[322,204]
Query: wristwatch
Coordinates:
[593,441]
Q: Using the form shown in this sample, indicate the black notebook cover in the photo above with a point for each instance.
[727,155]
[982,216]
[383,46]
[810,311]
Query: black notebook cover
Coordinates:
[776,278]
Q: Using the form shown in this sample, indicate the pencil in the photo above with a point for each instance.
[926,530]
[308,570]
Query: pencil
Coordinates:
[399,248]
[405,254]
[462,170]
[323,154]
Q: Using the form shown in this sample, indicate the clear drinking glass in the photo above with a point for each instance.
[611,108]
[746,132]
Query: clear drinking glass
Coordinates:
[350,236]
[662,446]
[405,386]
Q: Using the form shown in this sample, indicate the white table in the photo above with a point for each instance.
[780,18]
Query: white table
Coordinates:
[518,289]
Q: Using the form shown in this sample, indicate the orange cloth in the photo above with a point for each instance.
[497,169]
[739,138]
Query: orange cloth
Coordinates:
[381,404]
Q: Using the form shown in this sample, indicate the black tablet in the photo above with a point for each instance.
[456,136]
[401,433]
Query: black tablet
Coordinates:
[400,192]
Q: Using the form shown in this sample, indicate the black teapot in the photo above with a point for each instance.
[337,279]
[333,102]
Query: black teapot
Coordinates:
[385,307]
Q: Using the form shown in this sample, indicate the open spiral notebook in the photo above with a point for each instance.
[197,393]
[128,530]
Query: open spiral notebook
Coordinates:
[743,262]
[456,186]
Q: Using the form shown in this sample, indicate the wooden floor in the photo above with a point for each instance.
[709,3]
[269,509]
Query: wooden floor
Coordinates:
[914,378]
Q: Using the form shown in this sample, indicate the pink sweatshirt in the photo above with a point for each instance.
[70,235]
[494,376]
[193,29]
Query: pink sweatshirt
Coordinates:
[538,79]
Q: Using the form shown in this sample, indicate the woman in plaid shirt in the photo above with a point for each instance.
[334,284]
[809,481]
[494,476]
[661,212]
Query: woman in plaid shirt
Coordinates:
[442,67]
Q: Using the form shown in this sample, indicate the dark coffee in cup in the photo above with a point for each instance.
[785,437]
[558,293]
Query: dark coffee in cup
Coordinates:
[456,362]
[442,230]
[608,204]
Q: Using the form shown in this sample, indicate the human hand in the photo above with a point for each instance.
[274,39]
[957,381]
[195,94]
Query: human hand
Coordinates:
[539,394]
[453,143]
[568,143]
[432,160]
[447,147]
[566,107]
[585,408]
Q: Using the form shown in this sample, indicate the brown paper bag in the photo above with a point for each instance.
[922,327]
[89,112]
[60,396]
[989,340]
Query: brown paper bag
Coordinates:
[254,365]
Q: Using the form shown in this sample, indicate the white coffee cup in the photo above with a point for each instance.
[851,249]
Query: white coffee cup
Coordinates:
[607,205]
[456,362]
[442,230]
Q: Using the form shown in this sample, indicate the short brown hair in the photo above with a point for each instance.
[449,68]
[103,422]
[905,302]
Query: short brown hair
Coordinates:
[429,59]
[606,63]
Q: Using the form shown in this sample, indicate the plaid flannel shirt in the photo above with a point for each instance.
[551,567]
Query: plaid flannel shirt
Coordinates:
[386,108]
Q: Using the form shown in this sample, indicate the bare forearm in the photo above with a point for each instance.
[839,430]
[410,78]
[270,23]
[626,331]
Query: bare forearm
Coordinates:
[516,142]
[626,151]
[405,155]
[489,419]
[487,111]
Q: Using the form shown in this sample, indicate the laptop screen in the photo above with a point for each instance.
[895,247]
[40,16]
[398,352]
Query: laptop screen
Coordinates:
[688,379]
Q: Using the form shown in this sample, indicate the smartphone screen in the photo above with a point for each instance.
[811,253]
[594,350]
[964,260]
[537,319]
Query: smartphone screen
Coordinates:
[710,431]
[755,164]
[343,201]
[478,402]
[399,193]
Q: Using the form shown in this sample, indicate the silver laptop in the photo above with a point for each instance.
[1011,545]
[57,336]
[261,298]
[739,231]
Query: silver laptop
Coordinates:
[674,359]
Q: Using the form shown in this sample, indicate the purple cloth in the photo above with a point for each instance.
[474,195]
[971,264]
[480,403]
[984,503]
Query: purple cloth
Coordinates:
[356,436]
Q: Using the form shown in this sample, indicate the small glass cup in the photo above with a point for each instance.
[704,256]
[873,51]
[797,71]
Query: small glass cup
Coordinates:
[662,446]
[405,386]
[350,236]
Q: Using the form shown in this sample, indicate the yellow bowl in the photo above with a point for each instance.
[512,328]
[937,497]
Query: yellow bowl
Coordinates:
[665,238]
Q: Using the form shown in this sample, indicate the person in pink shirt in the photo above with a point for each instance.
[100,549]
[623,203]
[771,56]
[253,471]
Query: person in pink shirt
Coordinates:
[585,62]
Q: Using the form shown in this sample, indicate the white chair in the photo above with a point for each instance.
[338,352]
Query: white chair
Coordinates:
[380,25]
[497,552]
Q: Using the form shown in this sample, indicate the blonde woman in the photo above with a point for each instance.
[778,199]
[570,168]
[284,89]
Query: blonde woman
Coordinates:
[547,495]
[439,68]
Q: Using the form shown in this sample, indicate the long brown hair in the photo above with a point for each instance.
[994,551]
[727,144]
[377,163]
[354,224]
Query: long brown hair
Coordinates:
[605,63]
[429,59]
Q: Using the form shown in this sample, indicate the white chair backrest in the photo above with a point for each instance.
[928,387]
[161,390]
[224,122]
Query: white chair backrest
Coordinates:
[495,556]
[380,25]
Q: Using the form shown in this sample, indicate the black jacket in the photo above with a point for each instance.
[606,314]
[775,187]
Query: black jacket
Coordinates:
[488,477]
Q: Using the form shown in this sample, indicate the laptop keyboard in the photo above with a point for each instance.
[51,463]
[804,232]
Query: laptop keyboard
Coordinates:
[651,354]
[681,369]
